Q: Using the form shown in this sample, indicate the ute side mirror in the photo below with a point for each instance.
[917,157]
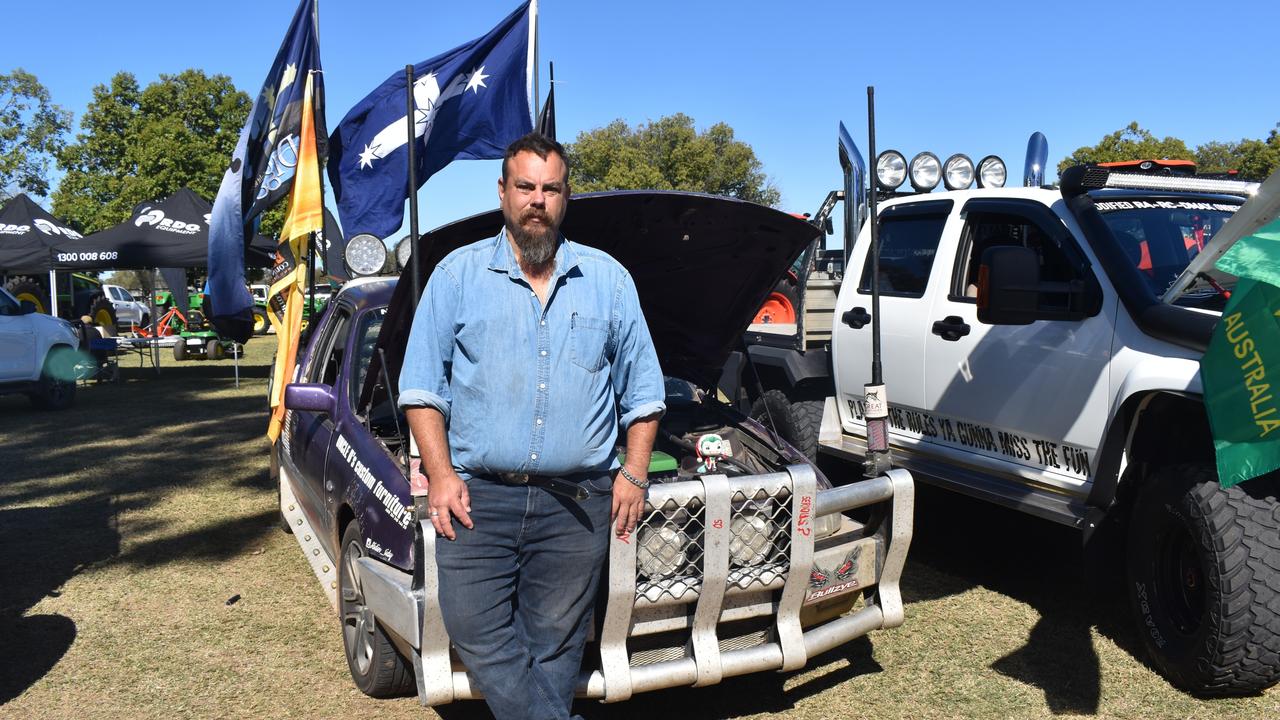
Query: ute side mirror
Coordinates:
[1008,285]
[312,397]
[1010,291]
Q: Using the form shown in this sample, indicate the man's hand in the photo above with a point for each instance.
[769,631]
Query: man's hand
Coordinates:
[448,499]
[628,501]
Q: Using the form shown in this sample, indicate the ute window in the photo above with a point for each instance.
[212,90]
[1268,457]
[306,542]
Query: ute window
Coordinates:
[333,345]
[984,230]
[908,245]
[366,342]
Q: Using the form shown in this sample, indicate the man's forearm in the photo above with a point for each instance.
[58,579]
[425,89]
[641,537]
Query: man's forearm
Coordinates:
[640,437]
[427,426]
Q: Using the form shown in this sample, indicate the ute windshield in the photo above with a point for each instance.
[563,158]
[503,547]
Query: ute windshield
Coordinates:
[1162,235]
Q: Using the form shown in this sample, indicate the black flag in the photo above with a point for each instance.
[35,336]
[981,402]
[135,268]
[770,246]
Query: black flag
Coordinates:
[547,118]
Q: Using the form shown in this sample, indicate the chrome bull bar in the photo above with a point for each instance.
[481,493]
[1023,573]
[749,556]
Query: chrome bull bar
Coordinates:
[724,572]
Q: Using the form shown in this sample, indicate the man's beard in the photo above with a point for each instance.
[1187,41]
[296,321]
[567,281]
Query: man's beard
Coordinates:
[537,243]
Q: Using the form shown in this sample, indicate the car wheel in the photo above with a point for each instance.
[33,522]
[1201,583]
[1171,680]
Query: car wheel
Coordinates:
[56,389]
[376,667]
[180,349]
[797,423]
[213,350]
[1204,584]
[260,322]
[782,305]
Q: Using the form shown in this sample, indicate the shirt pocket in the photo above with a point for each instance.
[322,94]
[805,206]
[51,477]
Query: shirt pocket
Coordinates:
[587,340]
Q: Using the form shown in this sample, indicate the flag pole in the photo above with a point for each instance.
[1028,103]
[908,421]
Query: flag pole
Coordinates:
[411,124]
[531,69]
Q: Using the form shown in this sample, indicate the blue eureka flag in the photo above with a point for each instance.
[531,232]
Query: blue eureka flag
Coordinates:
[262,167]
[470,103]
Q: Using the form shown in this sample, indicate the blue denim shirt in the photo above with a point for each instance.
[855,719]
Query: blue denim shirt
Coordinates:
[525,387]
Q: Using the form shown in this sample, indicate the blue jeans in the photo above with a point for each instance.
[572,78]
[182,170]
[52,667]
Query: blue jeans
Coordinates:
[517,592]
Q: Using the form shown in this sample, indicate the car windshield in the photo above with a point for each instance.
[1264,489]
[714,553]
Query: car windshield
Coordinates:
[1161,236]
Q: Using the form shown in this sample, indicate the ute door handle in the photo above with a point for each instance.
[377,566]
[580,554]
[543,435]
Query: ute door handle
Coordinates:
[952,327]
[855,318]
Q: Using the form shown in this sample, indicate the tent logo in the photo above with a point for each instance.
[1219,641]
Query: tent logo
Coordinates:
[156,218]
[14,229]
[49,228]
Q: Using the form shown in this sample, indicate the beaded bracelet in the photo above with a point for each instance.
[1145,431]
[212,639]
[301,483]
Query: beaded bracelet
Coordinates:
[642,484]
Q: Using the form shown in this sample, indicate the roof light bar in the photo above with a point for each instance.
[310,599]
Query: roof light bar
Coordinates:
[926,171]
[1134,181]
[957,172]
[992,172]
[891,169]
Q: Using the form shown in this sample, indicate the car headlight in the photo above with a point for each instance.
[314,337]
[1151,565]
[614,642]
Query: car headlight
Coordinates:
[365,254]
[957,172]
[404,251]
[754,534]
[660,551]
[926,170]
[991,172]
[891,169]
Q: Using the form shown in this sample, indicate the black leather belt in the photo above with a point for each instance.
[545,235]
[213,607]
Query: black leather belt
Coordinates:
[557,484]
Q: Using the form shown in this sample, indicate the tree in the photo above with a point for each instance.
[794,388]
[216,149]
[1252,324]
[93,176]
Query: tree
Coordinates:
[1129,143]
[144,144]
[32,132]
[669,154]
[1252,158]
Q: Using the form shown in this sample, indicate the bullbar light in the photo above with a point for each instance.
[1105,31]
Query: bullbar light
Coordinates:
[365,254]
[660,551]
[891,169]
[404,251]
[991,172]
[957,172]
[926,171]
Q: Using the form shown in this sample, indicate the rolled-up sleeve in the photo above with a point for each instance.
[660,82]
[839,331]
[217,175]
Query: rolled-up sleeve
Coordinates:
[636,374]
[428,358]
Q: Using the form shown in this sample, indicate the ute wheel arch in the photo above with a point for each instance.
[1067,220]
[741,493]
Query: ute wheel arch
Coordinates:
[377,667]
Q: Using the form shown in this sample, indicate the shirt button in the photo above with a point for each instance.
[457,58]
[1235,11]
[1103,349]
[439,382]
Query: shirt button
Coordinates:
[543,353]
[544,322]
[533,456]
[539,421]
[542,386]
[533,294]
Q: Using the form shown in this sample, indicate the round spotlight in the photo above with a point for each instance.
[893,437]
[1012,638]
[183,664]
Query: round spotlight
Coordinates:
[404,251]
[365,254]
[891,170]
[660,551]
[926,171]
[752,542]
[957,172]
[991,172]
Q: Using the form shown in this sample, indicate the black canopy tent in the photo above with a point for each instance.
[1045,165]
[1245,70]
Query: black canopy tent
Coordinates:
[173,232]
[27,232]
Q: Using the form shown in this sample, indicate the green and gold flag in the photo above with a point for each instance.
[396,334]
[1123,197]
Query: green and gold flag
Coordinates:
[1241,376]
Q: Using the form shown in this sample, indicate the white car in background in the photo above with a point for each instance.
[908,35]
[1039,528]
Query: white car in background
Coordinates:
[128,310]
[37,355]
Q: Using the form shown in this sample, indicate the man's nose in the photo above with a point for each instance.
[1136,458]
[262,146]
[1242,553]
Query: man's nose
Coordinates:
[537,198]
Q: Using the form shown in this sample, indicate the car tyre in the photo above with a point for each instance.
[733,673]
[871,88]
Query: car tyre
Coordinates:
[1204,580]
[56,389]
[796,422]
[180,349]
[213,350]
[26,288]
[103,314]
[376,666]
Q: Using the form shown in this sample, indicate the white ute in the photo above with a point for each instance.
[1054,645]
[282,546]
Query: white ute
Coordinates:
[37,355]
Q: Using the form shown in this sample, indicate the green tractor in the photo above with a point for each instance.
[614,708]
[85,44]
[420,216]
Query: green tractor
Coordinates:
[78,296]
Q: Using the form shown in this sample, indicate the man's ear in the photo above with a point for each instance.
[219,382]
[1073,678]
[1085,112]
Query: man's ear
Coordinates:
[502,189]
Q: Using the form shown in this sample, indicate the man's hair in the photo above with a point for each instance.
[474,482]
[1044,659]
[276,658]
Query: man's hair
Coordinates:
[538,144]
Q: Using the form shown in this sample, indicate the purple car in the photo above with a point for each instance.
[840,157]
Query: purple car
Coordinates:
[750,566]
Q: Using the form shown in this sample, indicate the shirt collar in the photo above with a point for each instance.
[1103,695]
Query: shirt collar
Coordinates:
[503,258]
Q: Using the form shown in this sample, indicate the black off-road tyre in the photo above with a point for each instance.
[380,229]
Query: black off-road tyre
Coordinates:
[1204,580]
[796,422]
[56,389]
[180,349]
[376,667]
[260,322]
[26,288]
[213,350]
[103,313]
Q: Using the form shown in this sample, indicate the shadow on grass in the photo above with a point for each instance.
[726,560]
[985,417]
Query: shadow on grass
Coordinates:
[44,548]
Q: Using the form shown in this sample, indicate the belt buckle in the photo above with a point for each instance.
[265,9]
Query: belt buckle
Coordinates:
[515,478]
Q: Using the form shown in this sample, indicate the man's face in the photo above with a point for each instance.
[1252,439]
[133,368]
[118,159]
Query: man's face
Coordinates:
[534,199]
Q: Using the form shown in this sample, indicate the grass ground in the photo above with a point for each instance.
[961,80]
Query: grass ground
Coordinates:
[128,523]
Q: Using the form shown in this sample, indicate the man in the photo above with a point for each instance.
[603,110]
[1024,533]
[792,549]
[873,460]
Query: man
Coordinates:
[527,353]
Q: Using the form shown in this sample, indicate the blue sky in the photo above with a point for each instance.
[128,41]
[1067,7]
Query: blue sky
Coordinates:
[974,77]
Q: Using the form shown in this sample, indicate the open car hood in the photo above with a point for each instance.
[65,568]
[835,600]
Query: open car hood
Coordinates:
[702,266]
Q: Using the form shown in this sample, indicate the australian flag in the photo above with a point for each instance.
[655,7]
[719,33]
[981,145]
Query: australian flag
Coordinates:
[262,167]
[470,103]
